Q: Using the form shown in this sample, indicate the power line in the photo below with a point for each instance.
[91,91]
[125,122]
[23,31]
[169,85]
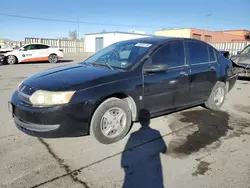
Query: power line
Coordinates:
[72,21]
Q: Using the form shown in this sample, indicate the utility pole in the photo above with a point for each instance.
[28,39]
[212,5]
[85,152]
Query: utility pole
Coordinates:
[78,33]
[208,21]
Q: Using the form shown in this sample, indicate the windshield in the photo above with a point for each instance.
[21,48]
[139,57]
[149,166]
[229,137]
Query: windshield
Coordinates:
[120,55]
[246,50]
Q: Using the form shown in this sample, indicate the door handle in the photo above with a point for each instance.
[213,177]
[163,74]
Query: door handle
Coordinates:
[212,68]
[183,73]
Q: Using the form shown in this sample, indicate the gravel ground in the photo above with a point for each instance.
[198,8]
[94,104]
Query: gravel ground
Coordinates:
[192,148]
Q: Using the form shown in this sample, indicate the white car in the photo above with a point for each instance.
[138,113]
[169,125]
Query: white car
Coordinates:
[33,53]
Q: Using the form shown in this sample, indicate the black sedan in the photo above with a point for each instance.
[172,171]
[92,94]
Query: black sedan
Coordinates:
[104,94]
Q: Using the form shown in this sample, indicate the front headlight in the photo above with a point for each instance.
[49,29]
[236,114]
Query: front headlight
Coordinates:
[50,98]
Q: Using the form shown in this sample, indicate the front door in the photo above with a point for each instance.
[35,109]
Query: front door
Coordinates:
[169,89]
[204,67]
[98,43]
[29,54]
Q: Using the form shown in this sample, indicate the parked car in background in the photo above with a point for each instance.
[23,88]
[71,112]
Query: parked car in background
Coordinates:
[33,53]
[242,60]
[104,94]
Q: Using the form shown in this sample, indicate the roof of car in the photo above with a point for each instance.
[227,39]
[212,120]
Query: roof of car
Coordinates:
[37,44]
[154,39]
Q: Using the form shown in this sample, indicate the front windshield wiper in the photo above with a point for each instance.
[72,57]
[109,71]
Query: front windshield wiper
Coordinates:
[86,64]
[102,63]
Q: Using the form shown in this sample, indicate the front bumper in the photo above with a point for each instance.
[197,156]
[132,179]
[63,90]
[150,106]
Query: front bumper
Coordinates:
[2,59]
[50,122]
[244,72]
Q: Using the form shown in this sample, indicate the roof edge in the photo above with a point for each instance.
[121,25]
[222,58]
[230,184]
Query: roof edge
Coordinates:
[120,32]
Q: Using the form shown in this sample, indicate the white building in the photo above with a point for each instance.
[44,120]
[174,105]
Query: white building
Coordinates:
[94,42]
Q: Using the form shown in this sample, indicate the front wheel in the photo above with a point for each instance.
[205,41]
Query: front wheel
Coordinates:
[11,60]
[217,96]
[111,121]
[53,58]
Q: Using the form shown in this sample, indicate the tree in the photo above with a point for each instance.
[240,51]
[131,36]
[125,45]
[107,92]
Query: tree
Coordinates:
[73,35]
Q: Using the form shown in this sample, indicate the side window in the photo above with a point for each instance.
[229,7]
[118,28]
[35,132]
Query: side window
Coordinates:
[171,54]
[197,52]
[42,46]
[211,54]
[29,47]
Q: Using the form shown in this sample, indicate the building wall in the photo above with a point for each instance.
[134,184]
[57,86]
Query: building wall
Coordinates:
[237,32]
[174,33]
[205,35]
[225,37]
[108,39]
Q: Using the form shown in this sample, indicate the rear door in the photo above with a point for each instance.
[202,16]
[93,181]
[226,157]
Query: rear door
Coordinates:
[204,68]
[43,52]
[166,90]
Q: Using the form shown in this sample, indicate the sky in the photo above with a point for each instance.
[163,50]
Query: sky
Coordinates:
[141,15]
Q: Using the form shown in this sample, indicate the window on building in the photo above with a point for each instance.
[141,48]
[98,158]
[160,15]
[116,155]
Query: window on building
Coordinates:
[208,38]
[196,36]
[197,52]
[172,54]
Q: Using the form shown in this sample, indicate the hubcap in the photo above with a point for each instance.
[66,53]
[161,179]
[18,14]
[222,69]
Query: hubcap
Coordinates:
[11,59]
[113,122]
[219,95]
[53,58]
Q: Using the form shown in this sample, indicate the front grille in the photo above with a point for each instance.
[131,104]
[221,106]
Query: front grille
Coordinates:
[24,92]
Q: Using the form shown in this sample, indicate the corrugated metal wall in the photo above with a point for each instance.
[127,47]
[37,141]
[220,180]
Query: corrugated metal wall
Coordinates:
[71,46]
[68,46]
[232,47]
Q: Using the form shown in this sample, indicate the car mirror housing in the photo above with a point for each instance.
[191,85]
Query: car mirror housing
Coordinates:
[155,68]
[21,49]
[238,52]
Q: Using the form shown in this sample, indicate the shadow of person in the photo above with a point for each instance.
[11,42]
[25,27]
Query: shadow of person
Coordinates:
[141,158]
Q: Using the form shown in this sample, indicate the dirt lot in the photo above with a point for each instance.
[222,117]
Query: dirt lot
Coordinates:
[192,148]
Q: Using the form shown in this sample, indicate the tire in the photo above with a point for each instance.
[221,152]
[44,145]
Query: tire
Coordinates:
[11,60]
[99,121]
[214,102]
[53,58]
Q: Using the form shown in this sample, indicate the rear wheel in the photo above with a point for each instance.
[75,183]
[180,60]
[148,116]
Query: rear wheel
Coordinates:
[11,60]
[111,121]
[217,96]
[53,58]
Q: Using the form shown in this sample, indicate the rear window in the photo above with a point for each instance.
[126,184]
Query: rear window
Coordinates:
[197,52]
[211,54]
[43,46]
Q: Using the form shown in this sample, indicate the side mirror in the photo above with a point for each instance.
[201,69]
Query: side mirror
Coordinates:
[155,68]
[21,49]
[238,52]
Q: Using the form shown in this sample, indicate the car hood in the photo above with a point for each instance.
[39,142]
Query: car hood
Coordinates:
[71,77]
[241,59]
[6,51]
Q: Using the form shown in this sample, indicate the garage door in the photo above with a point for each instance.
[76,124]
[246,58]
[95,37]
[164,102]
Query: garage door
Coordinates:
[98,43]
